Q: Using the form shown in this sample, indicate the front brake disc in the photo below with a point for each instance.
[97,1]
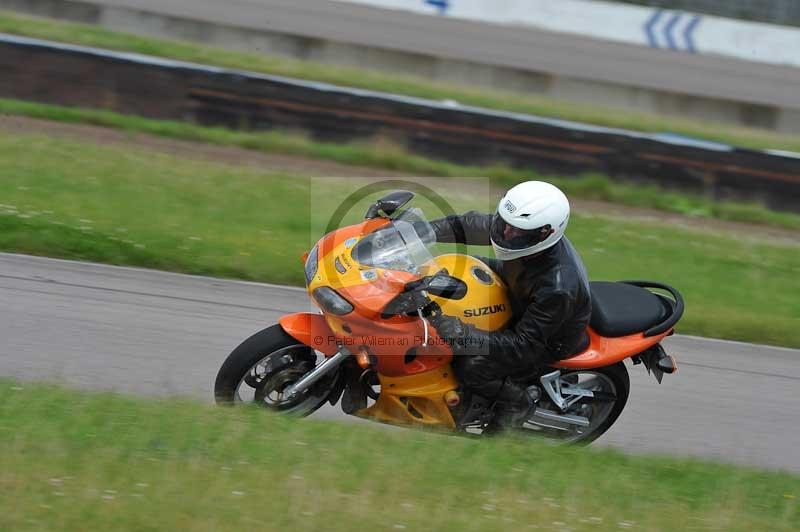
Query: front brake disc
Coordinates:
[270,391]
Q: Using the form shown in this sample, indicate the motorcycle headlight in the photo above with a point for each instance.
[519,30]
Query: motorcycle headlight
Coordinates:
[312,263]
[329,301]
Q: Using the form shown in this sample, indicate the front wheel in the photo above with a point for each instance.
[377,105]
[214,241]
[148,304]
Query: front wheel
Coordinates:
[610,385]
[264,366]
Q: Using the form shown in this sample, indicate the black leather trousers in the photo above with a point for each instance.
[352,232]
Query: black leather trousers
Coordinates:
[489,375]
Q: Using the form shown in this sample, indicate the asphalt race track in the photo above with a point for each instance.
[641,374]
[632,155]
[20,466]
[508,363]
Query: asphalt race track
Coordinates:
[154,333]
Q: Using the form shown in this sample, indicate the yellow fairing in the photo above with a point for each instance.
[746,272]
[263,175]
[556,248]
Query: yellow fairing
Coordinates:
[486,304]
[415,399]
[338,269]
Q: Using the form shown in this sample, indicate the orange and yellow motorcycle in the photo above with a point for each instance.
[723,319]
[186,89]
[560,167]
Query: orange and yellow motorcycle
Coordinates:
[372,348]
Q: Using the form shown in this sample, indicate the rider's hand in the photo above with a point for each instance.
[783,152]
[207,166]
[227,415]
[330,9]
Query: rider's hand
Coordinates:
[450,327]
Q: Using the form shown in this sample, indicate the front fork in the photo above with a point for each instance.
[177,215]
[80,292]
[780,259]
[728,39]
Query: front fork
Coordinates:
[328,365]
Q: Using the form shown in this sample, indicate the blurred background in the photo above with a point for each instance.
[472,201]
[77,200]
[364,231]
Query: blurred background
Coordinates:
[715,96]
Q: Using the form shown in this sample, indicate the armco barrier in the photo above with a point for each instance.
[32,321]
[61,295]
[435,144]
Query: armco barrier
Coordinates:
[158,88]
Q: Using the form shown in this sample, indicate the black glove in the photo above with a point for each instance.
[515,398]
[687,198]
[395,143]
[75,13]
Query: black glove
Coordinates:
[449,327]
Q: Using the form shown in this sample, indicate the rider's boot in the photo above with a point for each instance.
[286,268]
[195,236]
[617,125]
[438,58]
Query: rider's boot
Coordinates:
[515,404]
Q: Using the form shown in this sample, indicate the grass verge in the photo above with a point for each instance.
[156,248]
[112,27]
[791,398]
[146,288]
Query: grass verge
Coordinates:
[80,461]
[100,37]
[123,205]
[387,156]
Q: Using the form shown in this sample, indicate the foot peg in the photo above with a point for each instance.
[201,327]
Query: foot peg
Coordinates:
[477,411]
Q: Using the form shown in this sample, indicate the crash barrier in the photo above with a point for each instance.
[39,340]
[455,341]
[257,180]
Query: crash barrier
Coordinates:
[654,27]
[160,88]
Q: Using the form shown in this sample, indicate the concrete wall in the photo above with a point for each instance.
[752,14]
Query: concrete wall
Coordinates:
[642,26]
[518,59]
[783,12]
[73,11]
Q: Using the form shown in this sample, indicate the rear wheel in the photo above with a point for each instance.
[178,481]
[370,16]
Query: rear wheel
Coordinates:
[261,369]
[610,385]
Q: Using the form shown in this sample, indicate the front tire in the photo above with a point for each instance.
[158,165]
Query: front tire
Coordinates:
[263,366]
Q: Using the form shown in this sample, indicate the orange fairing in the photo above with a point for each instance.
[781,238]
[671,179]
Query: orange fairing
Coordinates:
[310,329]
[604,351]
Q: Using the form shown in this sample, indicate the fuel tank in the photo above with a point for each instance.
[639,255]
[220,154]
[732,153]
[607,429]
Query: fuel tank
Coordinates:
[486,304]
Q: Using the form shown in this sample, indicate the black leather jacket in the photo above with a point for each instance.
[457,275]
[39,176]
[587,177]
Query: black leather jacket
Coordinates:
[549,294]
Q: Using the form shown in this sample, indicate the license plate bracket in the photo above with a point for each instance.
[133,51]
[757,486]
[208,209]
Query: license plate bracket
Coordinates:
[651,357]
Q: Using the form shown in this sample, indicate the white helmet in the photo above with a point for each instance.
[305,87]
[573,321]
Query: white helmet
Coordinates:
[530,218]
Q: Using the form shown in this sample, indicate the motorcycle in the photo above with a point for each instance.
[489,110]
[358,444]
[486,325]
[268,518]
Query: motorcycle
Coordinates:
[373,350]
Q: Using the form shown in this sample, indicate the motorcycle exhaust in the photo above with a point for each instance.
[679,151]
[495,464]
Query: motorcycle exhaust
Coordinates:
[563,418]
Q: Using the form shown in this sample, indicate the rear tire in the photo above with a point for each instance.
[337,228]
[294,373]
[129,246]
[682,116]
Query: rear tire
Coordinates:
[617,376]
[268,362]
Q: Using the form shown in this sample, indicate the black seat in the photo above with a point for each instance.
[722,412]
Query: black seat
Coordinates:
[620,309]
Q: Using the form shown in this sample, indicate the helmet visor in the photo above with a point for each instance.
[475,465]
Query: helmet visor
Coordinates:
[513,238]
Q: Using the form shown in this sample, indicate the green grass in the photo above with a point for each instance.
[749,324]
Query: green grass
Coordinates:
[123,205]
[384,155]
[615,117]
[80,461]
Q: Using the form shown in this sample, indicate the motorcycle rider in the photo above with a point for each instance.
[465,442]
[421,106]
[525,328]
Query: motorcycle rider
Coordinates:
[548,288]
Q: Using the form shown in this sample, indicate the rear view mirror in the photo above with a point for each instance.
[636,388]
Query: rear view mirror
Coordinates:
[389,204]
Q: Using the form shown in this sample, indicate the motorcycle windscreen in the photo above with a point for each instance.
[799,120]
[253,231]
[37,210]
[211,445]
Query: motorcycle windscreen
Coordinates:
[403,245]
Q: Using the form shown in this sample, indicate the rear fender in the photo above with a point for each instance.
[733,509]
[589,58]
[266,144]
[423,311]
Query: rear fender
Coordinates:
[311,330]
[603,351]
